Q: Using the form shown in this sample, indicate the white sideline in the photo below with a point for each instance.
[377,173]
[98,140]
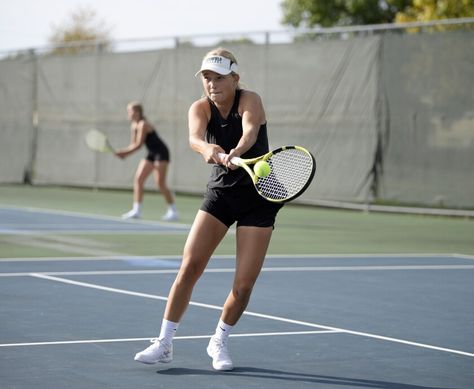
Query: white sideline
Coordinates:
[85,341]
[254,314]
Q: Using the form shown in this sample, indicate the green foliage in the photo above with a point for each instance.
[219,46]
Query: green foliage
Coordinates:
[425,10]
[327,13]
[82,26]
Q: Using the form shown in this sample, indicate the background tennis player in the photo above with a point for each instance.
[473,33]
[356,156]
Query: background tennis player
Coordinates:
[157,160]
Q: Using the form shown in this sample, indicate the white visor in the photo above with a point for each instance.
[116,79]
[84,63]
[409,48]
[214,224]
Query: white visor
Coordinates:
[218,64]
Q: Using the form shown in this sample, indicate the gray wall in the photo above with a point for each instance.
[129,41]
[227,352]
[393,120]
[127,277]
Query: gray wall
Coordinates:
[390,115]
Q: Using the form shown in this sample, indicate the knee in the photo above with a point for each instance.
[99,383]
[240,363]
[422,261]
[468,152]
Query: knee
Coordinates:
[139,180]
[189,274]
[162,185]
[242,292]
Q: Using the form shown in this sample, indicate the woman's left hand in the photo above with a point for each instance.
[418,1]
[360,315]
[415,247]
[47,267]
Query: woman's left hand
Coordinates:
[121,154]
[227,162]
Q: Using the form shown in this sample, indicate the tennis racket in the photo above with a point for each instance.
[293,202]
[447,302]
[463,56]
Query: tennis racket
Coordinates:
[97,141]
[292,169]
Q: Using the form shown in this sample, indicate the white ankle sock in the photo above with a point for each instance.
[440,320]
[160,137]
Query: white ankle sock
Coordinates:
[222,330]
[137,207]
[168,331]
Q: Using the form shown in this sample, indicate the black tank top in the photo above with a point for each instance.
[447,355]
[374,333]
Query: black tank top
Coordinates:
[227,133]
[153,142]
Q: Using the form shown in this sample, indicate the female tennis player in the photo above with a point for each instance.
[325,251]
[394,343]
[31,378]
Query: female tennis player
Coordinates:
[227,120]
[157,160]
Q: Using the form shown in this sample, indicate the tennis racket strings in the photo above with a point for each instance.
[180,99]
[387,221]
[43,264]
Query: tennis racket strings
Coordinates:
[97,141]
[291,172]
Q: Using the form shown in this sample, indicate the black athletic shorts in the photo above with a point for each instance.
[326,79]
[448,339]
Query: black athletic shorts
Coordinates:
[159,154]
[242,205]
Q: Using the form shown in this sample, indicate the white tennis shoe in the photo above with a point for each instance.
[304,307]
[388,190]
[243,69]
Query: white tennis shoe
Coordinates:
[170,216]
[157,352]
[218,351]
[131,215]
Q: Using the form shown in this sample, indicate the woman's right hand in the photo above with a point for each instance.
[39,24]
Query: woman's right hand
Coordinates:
[211,153]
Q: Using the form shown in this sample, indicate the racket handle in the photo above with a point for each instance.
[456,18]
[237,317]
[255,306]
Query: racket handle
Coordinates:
[235,160]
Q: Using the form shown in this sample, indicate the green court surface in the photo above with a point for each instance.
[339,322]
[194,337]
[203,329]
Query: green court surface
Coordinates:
[299,229]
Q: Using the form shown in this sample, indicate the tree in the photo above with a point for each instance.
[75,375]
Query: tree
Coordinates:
[82,26]
[327,13]
[425,10]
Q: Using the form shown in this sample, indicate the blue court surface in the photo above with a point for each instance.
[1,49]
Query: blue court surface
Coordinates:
[354,321]
[25,221]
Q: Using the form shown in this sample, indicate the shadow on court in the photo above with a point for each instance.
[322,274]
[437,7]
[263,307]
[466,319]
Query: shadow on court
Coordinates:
[292,378]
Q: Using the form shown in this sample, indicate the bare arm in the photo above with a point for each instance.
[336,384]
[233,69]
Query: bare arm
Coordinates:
[137,139]
[253,116]
[198,118]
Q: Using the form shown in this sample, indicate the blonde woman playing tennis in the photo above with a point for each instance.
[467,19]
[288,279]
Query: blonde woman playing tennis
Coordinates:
[227,120]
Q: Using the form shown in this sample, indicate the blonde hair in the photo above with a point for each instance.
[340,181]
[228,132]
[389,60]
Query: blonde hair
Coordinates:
[226,54]
[136,107]
[223,53]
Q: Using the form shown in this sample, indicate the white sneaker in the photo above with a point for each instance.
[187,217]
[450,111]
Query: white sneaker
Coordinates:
[170,216]
[217,350]
[157,352]
[131,215]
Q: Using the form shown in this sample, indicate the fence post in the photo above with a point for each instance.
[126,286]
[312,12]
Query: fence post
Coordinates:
[30,167]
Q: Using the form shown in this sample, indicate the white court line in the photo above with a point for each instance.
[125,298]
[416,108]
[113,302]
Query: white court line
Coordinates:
[105,231]
[175,338]
[94,216]
[231,270]
[96,230]
[119,258]
[255,314]
[463,256]
[271,256]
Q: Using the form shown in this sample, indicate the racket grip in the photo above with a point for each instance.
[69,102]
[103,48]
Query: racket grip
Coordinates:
[235,160]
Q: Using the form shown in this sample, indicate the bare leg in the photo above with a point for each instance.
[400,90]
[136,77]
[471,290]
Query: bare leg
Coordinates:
[252,245]
[206,233]
[161,170]
[144,169]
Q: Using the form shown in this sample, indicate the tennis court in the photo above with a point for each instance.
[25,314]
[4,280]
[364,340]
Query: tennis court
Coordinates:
[356,300]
